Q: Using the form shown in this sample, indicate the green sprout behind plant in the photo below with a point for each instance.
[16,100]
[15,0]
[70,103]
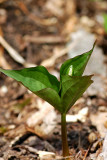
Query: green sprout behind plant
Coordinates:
[105,22]
[60,94]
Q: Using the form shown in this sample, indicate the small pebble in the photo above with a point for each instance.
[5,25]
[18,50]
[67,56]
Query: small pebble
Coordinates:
[4,89]
[92,137]
[43,155]
[102,108]
[3,16]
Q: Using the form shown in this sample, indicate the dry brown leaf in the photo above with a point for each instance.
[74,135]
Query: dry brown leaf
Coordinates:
[42,122]
[98,120]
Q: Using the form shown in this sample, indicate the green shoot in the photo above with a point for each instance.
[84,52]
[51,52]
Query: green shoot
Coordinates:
[105,22]
[60,94]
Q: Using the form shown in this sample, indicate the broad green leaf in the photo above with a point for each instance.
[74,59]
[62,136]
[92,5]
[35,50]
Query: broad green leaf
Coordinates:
[72,89]
[67,82]
[76,66]
[39,81]
[35,78]
[52,97]
[62,95]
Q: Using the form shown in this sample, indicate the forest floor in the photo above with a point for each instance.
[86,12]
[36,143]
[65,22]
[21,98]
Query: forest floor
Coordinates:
[48,32]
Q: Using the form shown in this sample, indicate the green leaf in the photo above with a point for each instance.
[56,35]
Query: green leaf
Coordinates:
[52,97]
[62,95]
[76,66]
[72,89]
[39,81]
[35,78]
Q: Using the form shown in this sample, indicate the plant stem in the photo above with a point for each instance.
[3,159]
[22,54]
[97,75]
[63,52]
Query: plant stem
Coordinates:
[65,148]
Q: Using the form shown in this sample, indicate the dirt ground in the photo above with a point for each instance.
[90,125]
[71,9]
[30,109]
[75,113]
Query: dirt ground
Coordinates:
[39,33]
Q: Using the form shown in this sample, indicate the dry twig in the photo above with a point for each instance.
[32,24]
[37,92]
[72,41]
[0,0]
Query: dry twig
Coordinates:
[3,62]
[13,53]
[57,53]
[34,18]
[45,39]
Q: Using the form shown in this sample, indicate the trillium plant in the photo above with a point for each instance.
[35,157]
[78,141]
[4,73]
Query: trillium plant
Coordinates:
[60,94]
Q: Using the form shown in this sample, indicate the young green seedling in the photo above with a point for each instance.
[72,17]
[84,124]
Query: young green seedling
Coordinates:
[61,95]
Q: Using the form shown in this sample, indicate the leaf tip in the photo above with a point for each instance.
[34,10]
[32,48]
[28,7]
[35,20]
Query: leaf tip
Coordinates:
[94,43]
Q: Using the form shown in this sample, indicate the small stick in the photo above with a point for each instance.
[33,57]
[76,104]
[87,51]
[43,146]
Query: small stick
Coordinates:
[45,39]
[57,53]
[34,18]
[86,153]
[14,54]
[3,62]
